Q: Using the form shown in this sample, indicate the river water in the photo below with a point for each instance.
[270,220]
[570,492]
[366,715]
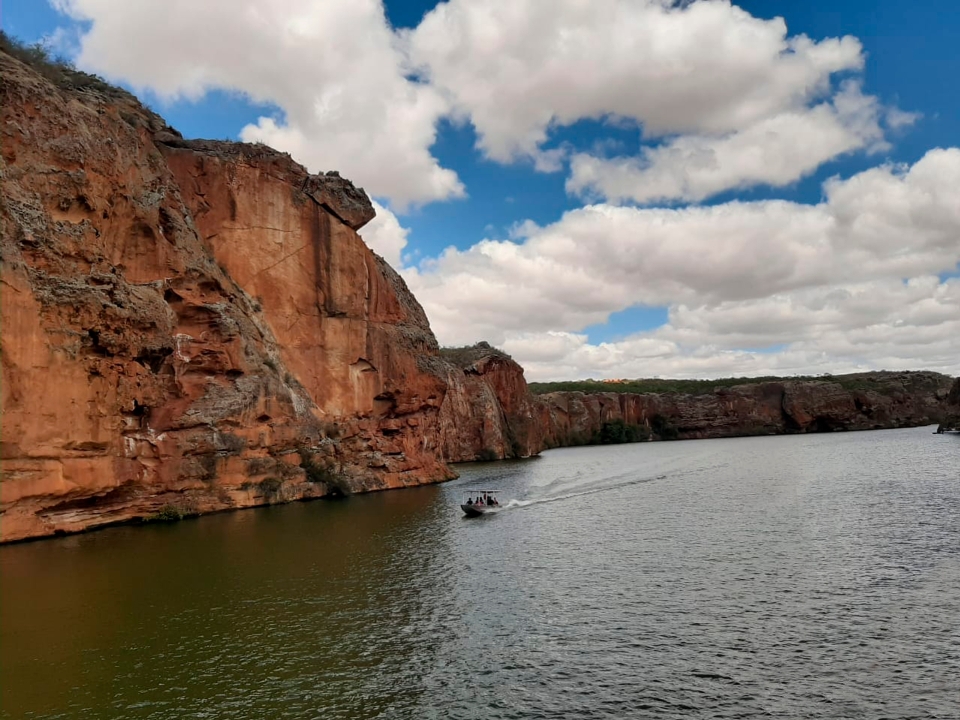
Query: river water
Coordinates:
[789,577]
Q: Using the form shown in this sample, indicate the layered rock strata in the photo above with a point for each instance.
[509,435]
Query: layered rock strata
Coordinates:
[488,412]
[951,418]
[854,402]
[191,326]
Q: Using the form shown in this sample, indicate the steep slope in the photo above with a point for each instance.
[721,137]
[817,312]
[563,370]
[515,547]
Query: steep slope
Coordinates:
[190,326]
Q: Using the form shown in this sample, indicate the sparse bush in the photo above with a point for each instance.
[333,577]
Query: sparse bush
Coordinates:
[875,380]
[167,513]
[663,429]
[58,70]
[616,432]
[323,473]
[270,485]
[469,354]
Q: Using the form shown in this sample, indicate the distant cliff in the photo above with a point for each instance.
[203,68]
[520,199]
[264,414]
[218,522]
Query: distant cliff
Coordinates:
[863,401]
[951,417]
[191,326]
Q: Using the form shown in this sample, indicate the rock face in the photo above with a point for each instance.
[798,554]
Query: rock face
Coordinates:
[488,412]
[192,326]
[951,419]
[854,402]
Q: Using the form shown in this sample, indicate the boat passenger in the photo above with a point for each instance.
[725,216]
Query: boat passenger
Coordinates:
[469,501]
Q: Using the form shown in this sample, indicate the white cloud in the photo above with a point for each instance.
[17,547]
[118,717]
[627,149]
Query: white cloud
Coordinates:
[518,68]
[734,100]
[897,119]
[776,150]
[741,100]
[385,236]
[886,324]
[825,280]
[333,67]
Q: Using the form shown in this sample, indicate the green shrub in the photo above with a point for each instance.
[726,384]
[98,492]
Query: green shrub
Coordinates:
[663,429]
[270,485]
[58,70]
[167,513]
[616,432]
[323,473]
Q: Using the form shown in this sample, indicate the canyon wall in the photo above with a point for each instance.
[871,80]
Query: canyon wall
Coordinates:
[194,326]
[191,326]
[866,401]
[951,416]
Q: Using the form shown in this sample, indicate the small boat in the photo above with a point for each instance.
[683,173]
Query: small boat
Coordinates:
[479,502]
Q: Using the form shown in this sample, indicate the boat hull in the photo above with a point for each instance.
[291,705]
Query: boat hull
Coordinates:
[476,510]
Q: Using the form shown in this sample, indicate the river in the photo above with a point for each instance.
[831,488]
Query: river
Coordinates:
[809,576]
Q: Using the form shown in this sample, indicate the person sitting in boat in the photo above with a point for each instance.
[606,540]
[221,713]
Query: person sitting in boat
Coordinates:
[479,500]
[469,501]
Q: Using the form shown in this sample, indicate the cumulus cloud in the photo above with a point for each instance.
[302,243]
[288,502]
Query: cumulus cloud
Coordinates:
[333,67]
[825,278]
[517,68]
[886,324]
[385,235]
[740,101]
[723,100]
[776,150]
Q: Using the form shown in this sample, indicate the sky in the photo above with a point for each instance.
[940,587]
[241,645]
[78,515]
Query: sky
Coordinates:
[601,188]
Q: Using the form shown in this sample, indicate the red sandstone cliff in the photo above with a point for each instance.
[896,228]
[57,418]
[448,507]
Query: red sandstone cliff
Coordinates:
[852,402]
[488,412]
[191,326]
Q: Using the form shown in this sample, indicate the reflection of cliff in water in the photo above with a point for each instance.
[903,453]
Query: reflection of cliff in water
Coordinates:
[238,614]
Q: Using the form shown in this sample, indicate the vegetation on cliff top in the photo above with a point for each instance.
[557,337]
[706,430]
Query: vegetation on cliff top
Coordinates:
[855,381]
[469,354]
[58,70]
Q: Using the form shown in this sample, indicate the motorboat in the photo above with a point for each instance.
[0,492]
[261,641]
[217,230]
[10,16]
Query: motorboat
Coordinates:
[479,502]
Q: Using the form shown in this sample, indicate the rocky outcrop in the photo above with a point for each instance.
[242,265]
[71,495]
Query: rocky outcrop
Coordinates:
[853,402]
[191,326]
[951,419]
[488,412]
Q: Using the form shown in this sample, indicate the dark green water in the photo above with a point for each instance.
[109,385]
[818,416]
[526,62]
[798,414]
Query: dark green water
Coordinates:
[792,577]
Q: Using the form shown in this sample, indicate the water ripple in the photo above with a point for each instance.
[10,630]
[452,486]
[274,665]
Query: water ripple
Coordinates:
[813,577]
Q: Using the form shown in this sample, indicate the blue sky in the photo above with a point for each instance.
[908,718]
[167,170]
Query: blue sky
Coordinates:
[909,62]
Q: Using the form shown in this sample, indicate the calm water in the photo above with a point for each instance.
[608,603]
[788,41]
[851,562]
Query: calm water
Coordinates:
[789,577]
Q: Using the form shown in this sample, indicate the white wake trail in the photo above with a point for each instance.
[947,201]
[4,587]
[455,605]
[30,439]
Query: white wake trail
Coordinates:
[517,503]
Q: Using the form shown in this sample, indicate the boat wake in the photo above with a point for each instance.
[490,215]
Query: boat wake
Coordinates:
[517,503]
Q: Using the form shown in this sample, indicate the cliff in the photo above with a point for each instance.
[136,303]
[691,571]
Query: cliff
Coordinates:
[489,413]
[191,326]
[864,401]
[951,418]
